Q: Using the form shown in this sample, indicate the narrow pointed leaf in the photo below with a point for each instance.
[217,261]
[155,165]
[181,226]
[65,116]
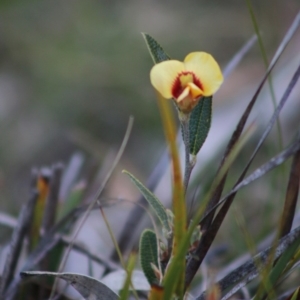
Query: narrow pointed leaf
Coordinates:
[152,200]
[156,51]
[238,278]
[291,197]
[195,260]
[295,295]
[148,254]
[265,168]
[213,229]
[88,287]
[243,119]
[199,125]
[281,264]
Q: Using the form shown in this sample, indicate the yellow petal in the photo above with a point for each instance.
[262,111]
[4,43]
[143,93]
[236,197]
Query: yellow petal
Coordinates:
[204,66]
[163,74]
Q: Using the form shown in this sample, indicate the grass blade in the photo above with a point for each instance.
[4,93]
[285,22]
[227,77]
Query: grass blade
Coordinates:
[235,136]
[265,59]
[212,229]
[98,193]
[281,264]
[265,168]
[288,212]
[124,293]
[206,240]
[237,58]
[248,271]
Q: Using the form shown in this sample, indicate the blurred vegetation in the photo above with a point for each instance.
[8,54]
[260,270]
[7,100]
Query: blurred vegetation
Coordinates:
[81,66]
[72,72]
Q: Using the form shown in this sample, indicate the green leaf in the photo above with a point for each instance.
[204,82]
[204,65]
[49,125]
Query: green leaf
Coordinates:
[199,125]
[148,254]
[88,287]
[152,200]
[156,51]
[295,294]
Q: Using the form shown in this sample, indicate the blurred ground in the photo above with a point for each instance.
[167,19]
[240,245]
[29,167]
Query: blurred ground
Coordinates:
[69,67]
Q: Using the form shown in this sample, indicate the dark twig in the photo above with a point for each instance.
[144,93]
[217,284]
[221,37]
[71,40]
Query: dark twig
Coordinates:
[15,247]
[265,168]
[248,271]
[205,224]
[208,236]
[45,245]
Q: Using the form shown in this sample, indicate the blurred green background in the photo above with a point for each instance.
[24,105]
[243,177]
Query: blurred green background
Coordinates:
[70,67]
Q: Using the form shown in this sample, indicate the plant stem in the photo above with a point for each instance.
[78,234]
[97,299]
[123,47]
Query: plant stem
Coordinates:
[189,163]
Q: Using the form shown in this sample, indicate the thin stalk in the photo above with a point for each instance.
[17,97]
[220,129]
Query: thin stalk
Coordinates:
[189,163]
[265,60]
[94,201]
[112,236]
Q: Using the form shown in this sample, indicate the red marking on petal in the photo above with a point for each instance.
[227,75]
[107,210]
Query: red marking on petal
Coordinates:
[177,87]
[197,82]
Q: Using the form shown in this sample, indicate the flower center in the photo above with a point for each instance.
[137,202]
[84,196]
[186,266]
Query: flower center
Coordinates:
[184,80]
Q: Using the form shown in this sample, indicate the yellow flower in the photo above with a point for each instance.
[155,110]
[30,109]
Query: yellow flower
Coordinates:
[186,82]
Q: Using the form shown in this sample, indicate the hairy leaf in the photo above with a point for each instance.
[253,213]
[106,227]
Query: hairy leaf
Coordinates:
[88,287]
[152,200]
[199,124]
[156,51]
[148,254]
